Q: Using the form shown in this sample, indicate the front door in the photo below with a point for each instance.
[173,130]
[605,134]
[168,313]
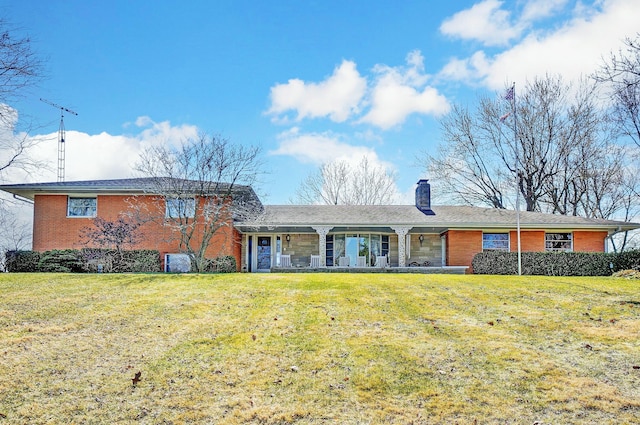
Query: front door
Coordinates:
[263,254]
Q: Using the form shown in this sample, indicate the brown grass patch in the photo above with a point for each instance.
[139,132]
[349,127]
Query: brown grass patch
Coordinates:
[318,349]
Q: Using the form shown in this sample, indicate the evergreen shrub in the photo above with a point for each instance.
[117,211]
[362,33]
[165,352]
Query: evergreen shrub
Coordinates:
[545,263]
[22,261]
[61,261]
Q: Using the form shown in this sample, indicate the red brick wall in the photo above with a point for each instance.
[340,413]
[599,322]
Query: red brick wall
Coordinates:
[589,241]
[463,245]
[52,229]
[530,240]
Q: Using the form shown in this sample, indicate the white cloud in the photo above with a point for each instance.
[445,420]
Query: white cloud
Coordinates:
[337,97]
[317,148]
[323,148]
[100,156]
[484,21]
[395,93]
[466,69]
[574,49]
[538,9]
[400,91]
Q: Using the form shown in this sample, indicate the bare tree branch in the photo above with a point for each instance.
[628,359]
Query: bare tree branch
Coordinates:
[567,161]
[343,183]
[204,184]
[621,74]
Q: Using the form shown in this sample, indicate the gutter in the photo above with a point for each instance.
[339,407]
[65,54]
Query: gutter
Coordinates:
[20,198]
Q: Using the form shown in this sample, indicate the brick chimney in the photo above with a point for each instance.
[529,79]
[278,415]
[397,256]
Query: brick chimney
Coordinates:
[423,197]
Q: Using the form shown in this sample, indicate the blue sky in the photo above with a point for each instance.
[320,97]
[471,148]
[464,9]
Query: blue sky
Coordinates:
[309,82]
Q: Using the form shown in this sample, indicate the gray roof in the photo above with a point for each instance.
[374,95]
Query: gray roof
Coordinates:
[369,216]
[286,217]
[115,186]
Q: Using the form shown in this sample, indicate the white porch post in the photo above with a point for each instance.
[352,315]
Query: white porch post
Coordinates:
[322,237]
[402,249]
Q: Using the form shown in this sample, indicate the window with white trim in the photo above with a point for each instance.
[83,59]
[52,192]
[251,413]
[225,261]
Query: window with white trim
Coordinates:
[558,242]
[495,242]
[82,207]
[180,207]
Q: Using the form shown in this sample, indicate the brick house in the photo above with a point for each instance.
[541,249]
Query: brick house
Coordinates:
[63,210]
[443,238]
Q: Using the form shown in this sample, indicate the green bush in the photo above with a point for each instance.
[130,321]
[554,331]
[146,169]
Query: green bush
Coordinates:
[22,261]
[82,261]
[222,264]
[627,260]
[544,263]
[61,261]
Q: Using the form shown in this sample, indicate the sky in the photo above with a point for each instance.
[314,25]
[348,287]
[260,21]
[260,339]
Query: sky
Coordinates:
[309,82]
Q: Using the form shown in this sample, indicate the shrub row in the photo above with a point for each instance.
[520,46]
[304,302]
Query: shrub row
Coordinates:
[556,263]
[94,260]
[112,261]
[83,261]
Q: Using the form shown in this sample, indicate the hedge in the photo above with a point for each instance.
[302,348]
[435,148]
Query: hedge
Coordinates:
[22,261]
[82,261]
[94,260]
[113,261]
[61,261]
[627,260]
[555,263]
[222,264]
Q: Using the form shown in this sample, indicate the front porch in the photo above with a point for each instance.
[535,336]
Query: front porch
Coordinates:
[337,269]
[347,250]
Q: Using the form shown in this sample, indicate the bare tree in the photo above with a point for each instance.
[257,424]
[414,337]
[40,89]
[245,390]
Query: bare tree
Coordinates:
[562,158]
[342,183]
[621,74]
[117,234]
[20,70]
[15,235]
[204,185]
[467,162]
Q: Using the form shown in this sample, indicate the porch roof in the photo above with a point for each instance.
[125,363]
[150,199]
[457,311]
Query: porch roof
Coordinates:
[278,217]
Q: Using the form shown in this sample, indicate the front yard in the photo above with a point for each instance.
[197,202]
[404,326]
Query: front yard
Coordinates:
[318,349]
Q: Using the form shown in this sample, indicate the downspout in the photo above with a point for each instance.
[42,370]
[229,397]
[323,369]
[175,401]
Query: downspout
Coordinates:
[611,235]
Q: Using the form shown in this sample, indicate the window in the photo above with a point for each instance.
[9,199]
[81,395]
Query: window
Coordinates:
[558,242]
[495,242]
[81,207]
[178,207]
[355,245]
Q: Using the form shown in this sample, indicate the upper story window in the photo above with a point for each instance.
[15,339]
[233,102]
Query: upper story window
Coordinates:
[82,207]
[558,242]
[495,242]
[180,208]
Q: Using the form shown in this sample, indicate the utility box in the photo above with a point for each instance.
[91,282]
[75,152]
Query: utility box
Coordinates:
[177,263]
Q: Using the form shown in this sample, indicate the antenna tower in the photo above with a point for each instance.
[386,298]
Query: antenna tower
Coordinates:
[61,137]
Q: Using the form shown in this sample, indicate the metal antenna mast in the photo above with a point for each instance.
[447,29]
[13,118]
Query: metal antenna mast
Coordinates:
[61,137]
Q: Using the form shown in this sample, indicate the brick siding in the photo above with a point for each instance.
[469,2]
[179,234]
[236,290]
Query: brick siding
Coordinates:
[52,229]
[463,245]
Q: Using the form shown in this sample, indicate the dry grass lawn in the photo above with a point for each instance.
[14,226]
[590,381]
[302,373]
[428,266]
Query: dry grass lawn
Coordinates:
[318,349]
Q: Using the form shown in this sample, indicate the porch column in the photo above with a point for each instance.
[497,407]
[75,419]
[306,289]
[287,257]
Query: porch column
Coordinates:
[402,249]
[322,237]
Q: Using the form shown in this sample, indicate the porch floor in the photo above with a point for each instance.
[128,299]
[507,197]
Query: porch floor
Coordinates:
[334,269]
